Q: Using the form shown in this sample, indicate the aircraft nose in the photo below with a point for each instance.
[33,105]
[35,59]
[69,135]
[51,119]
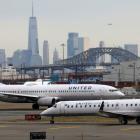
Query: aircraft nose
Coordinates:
[121,94]
[46,112]
[43,113]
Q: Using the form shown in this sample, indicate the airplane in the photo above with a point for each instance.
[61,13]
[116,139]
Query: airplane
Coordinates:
[48,95]
[38,82]
[123,109]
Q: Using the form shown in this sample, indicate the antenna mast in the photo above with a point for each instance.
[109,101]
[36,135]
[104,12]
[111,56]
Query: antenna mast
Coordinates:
[32,8]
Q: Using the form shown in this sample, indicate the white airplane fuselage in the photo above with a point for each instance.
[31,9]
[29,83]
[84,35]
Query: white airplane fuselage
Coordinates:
[45,94]
[129,107]
[123,109]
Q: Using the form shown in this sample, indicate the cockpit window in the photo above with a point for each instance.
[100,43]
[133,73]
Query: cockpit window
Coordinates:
[113,90]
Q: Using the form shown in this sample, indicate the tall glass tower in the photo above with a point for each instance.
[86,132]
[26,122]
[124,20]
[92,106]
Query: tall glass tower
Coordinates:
[33,46]
[55,56]
[33,34]
[45,53]
[72,44]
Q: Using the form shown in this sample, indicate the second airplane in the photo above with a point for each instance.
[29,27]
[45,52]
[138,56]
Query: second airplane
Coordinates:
[123,109]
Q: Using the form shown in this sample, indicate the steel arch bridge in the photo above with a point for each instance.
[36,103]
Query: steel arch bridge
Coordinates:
[90,56]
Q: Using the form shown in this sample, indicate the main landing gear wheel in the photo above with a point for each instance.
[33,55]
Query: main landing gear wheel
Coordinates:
[35,106]
[138,120]
[52,120]
[123,121]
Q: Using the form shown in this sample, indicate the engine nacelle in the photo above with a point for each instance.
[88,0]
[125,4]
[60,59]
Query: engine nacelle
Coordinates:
[47,101]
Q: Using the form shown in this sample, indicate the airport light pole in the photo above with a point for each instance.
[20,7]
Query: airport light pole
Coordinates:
[134,72]
[0,72]
[63,45]
[119,75]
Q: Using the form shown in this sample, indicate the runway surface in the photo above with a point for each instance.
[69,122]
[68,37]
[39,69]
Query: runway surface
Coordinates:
[14,127]
[69,131]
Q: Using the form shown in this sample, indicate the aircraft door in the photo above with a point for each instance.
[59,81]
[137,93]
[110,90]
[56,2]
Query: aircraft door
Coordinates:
[62,108]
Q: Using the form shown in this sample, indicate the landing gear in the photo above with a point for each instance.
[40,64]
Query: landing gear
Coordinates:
[52,120]
[35,106]
[138,120]
[123,121]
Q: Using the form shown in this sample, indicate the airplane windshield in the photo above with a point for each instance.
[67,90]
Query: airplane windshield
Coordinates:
[113,90]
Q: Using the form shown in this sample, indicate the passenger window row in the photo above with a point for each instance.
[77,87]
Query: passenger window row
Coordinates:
[45,91]
[108,105]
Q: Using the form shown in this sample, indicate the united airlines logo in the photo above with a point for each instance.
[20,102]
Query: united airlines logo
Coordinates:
[80,87]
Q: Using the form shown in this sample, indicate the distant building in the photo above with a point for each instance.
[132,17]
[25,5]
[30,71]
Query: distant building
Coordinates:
[45,53]
[36,60]
[72,44]
[133,48]
[76,44]
[102,45]
[16,58]
[21,57]
[9,61]
[26,57]
[2,57]
[33,41]
[55,56]
[83,44]
[8,72]
[101,59]
[126,71]
[33,34]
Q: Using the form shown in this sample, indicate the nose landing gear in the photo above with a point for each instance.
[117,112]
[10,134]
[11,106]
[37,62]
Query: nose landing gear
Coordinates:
[35,106]
[52,120]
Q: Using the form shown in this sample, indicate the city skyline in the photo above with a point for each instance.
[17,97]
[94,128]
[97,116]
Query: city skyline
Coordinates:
[114,22]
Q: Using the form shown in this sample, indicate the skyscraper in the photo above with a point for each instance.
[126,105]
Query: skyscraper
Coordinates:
[101,58]
[25,57]
[16,58]
[83,44]
[2,57]
[33,34]
[55,56]
[21,57]
[36,60]
[133,48]
[33,40]
[72,44]
[45,53]
[102,45]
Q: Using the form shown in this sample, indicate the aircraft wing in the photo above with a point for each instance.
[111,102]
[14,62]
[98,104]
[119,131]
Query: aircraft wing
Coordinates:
[104,113]
[110,114]
[31,97]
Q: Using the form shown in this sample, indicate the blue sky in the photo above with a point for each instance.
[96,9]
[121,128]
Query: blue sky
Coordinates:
[58,17]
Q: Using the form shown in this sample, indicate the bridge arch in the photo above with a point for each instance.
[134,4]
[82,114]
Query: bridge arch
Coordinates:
[90,56]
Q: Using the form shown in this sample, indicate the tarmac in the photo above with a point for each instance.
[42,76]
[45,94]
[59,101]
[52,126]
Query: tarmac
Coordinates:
[14,127]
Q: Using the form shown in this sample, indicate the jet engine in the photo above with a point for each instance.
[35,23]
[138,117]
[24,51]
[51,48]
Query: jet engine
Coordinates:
[47,101]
